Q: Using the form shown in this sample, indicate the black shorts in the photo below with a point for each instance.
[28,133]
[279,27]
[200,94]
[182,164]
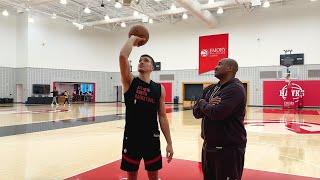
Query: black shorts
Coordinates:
[134,149]
[222,164]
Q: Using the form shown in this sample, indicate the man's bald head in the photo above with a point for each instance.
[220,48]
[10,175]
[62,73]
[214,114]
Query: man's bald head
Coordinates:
[232,63]
[226,67]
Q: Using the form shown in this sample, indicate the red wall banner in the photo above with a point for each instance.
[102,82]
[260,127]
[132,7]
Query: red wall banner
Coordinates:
[168,87]
[212,49]
[275,92]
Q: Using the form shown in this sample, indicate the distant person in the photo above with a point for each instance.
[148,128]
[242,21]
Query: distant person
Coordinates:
[66,96]
[55,97]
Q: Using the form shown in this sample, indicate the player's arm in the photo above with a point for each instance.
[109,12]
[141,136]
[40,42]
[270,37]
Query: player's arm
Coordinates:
[163,120]
[126,75]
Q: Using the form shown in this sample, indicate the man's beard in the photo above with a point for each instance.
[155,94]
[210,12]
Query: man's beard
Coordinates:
[218,76]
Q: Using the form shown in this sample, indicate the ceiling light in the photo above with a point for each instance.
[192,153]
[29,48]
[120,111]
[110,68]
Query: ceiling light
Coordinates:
[79,26]
[135,13]
[220,10]
[157,0]
[63,2]
[150,21]
[54,16]
[30,20]
[256,2]
[313,0]
[106,17]
[185,16]
[123,24]
[211,2]
[266,4]
[5,13]
[118,5]
[87,10]
[145,19]
[173,7]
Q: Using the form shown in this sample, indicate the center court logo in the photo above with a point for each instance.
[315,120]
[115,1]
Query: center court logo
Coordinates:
[295,92]
[212,52]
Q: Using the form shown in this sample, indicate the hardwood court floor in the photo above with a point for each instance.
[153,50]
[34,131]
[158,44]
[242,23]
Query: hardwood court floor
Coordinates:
[45,142]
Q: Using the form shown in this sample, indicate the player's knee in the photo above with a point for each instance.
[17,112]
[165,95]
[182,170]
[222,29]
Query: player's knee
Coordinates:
[153,175]
[132,175]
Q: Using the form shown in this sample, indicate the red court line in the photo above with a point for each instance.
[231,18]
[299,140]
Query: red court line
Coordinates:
[297,127]
[178,169]
[291,111]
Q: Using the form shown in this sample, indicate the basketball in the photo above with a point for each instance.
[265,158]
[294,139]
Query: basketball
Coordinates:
[140,31]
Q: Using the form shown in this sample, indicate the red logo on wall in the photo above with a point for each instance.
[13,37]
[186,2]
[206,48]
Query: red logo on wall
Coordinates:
[212,49]
[296,92]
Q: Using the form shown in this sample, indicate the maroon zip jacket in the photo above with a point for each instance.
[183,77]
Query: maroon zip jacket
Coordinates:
[223,124]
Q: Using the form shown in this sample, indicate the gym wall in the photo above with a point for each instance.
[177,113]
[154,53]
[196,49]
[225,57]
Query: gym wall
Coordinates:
[255,39]
[251,75]
[60,45]
[105,86]
[8,41]
[7,80]
[105,81]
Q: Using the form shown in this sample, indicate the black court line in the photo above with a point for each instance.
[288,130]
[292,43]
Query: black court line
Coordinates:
[60,124]
[52,125]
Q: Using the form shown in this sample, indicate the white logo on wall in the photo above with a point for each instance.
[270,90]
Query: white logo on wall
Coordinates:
[296,92]
[204,53]
[212,52]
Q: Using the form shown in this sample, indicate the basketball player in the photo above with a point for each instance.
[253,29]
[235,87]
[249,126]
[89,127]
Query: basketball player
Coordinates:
[144,101]
[222,109]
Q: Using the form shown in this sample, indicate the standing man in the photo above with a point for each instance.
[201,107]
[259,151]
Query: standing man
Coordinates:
[55,97]
[144,101]
[222,108]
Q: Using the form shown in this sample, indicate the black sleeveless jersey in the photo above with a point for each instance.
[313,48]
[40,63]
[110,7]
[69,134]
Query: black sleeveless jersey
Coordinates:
[142,105]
